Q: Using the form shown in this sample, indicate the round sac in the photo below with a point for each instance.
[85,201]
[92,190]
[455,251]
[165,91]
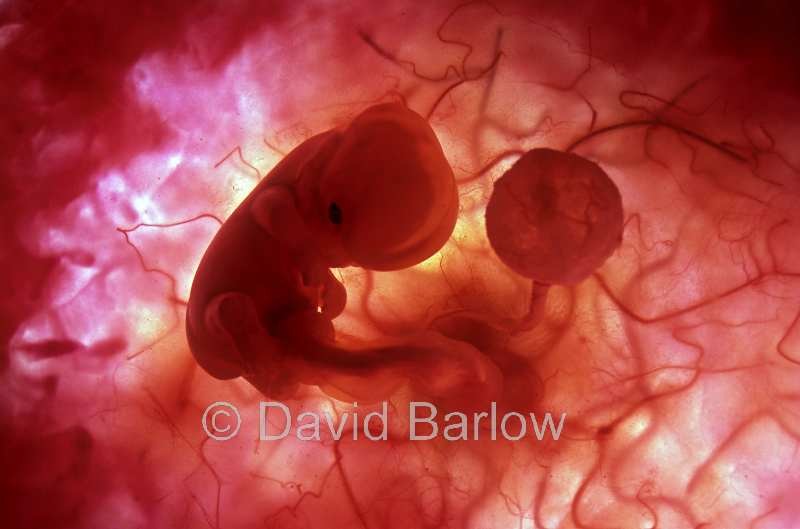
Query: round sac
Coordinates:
[554,217]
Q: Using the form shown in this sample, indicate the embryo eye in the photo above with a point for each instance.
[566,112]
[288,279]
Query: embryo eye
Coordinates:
[335,213]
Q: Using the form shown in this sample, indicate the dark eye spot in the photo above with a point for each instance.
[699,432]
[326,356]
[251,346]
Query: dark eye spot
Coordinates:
[335,213]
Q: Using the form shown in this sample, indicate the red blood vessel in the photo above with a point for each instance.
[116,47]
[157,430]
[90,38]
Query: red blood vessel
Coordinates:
[507,211]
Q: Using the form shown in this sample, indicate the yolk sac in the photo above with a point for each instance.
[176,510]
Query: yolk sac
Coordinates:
[378,194]
[554,217]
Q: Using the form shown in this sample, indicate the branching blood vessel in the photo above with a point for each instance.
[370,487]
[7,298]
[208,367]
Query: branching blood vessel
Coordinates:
[584,208]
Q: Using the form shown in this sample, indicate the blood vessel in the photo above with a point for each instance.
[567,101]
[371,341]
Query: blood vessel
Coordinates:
[129,134]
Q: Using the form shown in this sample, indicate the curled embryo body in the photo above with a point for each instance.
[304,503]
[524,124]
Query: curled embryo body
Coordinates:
[378,194]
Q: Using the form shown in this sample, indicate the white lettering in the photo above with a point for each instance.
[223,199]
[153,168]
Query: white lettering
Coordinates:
[460,425]
[382,416]
[522,429]
[548,420]
[414,420]
[476,421]
[313,425]
[335,433]
[262,416]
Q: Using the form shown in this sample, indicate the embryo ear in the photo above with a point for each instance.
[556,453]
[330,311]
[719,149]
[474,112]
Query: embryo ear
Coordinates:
[275,210]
